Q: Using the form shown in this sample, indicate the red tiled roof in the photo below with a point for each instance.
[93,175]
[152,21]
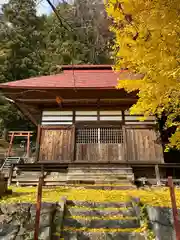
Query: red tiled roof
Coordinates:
[86,67]
[91,78]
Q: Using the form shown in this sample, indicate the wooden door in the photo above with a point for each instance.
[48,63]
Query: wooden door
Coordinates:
[103,144]
[57,145]
[142,145]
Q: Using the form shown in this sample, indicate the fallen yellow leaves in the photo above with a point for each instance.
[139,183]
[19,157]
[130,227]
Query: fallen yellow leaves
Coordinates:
[103,217]
[102,230]
[154,197]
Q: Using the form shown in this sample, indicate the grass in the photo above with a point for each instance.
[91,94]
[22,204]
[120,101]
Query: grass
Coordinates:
[154,197]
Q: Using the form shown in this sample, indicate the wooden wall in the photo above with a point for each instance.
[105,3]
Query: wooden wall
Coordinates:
[57,145]
[139,144]
[93,152]
[142,145]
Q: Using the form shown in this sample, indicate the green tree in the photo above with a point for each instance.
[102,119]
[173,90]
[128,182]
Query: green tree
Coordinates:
[148,42]
[32,45]
[21,51]
[21,37]
[87,40]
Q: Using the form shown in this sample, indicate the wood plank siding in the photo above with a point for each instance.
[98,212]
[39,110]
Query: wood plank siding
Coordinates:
[142,145]
[98,135]
[99,152]
[57,145]
[99,144]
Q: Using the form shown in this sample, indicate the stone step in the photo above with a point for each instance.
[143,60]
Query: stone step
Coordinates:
[28,174]
[125,187]
[35,183]
[79,178]
[99,178]
[114,170]
[101,223]
[121,212]
[100,182]
[99,204]
[101,174]
[83,235]
[86,182]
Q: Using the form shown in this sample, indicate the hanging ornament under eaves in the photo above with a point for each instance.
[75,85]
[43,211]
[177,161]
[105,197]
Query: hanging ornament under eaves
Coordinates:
[59,101]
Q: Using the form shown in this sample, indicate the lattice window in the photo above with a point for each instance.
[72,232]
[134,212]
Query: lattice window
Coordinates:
[87,135]
[99,135]
[111,135]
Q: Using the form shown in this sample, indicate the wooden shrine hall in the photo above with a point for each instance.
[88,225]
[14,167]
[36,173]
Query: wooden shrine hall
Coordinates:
[83,121]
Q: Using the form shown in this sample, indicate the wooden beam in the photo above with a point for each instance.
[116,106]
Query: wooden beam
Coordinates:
[87,107]
[26,112]
[55,127]
[38,142]
[20,134]
[10,145]
[158,178]
[53,100]
[28,145]
[139,126]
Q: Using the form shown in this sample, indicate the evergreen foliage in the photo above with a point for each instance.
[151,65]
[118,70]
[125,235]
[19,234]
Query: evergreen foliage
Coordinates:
[32,45]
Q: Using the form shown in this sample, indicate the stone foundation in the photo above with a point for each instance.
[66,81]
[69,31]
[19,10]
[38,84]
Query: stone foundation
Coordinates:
[161,222]
[81,174]
[100,174]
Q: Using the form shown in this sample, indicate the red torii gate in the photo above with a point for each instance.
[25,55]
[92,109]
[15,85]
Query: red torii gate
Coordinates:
[13,134]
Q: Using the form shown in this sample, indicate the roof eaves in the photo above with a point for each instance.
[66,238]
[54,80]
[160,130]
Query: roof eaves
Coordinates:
[37,87]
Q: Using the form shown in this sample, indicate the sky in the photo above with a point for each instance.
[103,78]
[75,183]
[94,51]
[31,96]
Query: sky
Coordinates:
[42,6]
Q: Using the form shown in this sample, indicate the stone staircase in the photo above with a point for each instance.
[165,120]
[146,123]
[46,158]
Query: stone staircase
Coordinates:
[101,173]
[99,221]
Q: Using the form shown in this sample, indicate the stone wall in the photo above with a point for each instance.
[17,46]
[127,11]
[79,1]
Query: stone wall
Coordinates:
[161,221]
[17,221]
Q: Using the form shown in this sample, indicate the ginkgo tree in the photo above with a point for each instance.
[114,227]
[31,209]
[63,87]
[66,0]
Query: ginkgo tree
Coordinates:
[147,41]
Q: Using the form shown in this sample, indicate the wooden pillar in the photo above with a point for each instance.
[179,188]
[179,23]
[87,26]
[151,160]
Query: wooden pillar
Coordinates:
[158,179]
[10,175]
[38,208]
[123,117]
[38,142]
[74,143]
[28,144]
[125,146]
[10,145]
